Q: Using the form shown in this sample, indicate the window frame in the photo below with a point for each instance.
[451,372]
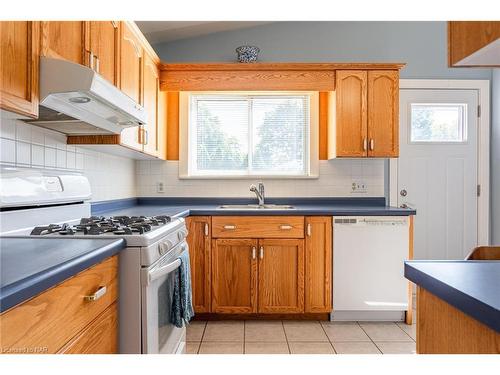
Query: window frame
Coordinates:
[464,123]
[311,137]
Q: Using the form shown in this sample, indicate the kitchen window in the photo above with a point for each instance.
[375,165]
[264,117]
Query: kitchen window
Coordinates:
[238,135]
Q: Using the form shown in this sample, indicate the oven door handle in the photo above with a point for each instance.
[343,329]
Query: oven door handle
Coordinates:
[157,273]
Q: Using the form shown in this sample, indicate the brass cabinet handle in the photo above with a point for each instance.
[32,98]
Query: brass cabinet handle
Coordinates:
[98,294]
[309,230]
[145,137]
[230,227]
[261,252]
[285,227]
[206,229]
[365,144]
[372,144]
[254,252]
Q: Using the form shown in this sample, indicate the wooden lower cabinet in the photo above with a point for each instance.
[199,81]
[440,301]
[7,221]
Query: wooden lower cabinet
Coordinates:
[234,276]
[99,337]
[261,275]
[319,264]
[281,276]
[199,241]
[62,319]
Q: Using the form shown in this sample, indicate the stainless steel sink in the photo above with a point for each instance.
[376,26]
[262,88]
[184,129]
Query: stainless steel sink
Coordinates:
[256,207]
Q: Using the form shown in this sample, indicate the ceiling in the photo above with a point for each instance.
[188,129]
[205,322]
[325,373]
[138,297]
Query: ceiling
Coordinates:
[168,31]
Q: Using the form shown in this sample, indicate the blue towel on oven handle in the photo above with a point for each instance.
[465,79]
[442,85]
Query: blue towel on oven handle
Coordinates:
[182,303]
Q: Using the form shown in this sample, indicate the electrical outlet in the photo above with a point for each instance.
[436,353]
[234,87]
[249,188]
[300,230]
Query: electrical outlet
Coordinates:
[358,187]
[160,187]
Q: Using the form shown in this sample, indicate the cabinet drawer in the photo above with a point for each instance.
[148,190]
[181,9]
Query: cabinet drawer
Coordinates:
[258,226]
[99,337]
[51,319]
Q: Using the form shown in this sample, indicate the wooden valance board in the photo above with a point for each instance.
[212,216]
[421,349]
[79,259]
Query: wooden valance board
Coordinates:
[257,76]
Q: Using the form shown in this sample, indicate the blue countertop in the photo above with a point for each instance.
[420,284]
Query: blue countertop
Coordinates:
[471,286]
[182,207]
[29,266]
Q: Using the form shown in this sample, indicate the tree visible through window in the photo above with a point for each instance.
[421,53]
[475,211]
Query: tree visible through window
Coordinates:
[249,135]
[438,122]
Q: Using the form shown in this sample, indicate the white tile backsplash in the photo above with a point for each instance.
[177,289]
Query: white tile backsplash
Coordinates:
[113,177]
[335,180]
[25,145]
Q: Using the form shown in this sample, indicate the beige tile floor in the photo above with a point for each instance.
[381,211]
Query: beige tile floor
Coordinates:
[299,337]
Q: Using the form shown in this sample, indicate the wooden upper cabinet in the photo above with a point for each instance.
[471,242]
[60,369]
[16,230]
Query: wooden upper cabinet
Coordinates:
[318,267]
[64,40]
[151,88]
[199,241]
[367,114]
[351,111]
[234,276]
[104,43]
[131,65]
[281,276]
[383,113]
[19,61]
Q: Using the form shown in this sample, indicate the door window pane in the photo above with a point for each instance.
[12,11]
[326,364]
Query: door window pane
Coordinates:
[438,123]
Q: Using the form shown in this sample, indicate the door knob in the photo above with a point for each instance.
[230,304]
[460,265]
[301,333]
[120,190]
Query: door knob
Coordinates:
[403,193]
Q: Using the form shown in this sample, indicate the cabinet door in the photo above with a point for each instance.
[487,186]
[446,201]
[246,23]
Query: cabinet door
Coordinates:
[351,123]
[281,276]
[19,52]
[104,44]
[199,241]
[234,276]
[151,89]
[64,40]
[383,113]
[99,337]
[319,264]
[131,55]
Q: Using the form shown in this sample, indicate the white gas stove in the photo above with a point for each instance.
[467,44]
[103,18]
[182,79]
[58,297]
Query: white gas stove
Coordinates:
[55,203]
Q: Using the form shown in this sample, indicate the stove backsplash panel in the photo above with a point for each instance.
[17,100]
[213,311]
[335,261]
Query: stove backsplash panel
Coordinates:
[29,146]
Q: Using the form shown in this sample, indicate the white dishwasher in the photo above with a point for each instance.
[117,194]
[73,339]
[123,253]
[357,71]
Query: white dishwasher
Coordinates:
[368,267]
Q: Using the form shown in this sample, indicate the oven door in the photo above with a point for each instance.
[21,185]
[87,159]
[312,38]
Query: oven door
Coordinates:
[159,336]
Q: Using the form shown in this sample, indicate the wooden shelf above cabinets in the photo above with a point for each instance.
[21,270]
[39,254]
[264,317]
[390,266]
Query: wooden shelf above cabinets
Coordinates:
[257,76]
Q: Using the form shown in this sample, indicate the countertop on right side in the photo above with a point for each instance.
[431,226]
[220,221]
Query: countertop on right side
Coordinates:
[472,286]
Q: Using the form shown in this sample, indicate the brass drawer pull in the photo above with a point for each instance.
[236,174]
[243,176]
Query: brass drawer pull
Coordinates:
[309,230]
[372,144]
[98,294]
[254,252]
[286,227]
[230,227]
[261,252]
[206,230]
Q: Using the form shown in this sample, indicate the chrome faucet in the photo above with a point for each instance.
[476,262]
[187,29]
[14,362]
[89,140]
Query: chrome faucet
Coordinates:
[259,192]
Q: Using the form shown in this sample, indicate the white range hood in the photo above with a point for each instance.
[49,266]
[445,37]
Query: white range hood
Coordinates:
[76,100]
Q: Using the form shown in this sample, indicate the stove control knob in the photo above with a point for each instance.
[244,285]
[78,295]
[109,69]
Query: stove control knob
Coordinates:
[164,247]
[181,235]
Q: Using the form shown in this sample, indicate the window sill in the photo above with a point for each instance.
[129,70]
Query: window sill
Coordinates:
[266,177]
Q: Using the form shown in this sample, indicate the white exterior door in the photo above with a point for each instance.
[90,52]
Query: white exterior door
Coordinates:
[437,169]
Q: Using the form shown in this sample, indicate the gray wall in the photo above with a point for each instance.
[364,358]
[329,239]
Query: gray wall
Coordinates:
[422,45]
[495,158]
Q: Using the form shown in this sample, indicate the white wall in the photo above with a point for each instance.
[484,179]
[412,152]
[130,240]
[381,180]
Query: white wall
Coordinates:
[336,177]
[495,158]
[30,146]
